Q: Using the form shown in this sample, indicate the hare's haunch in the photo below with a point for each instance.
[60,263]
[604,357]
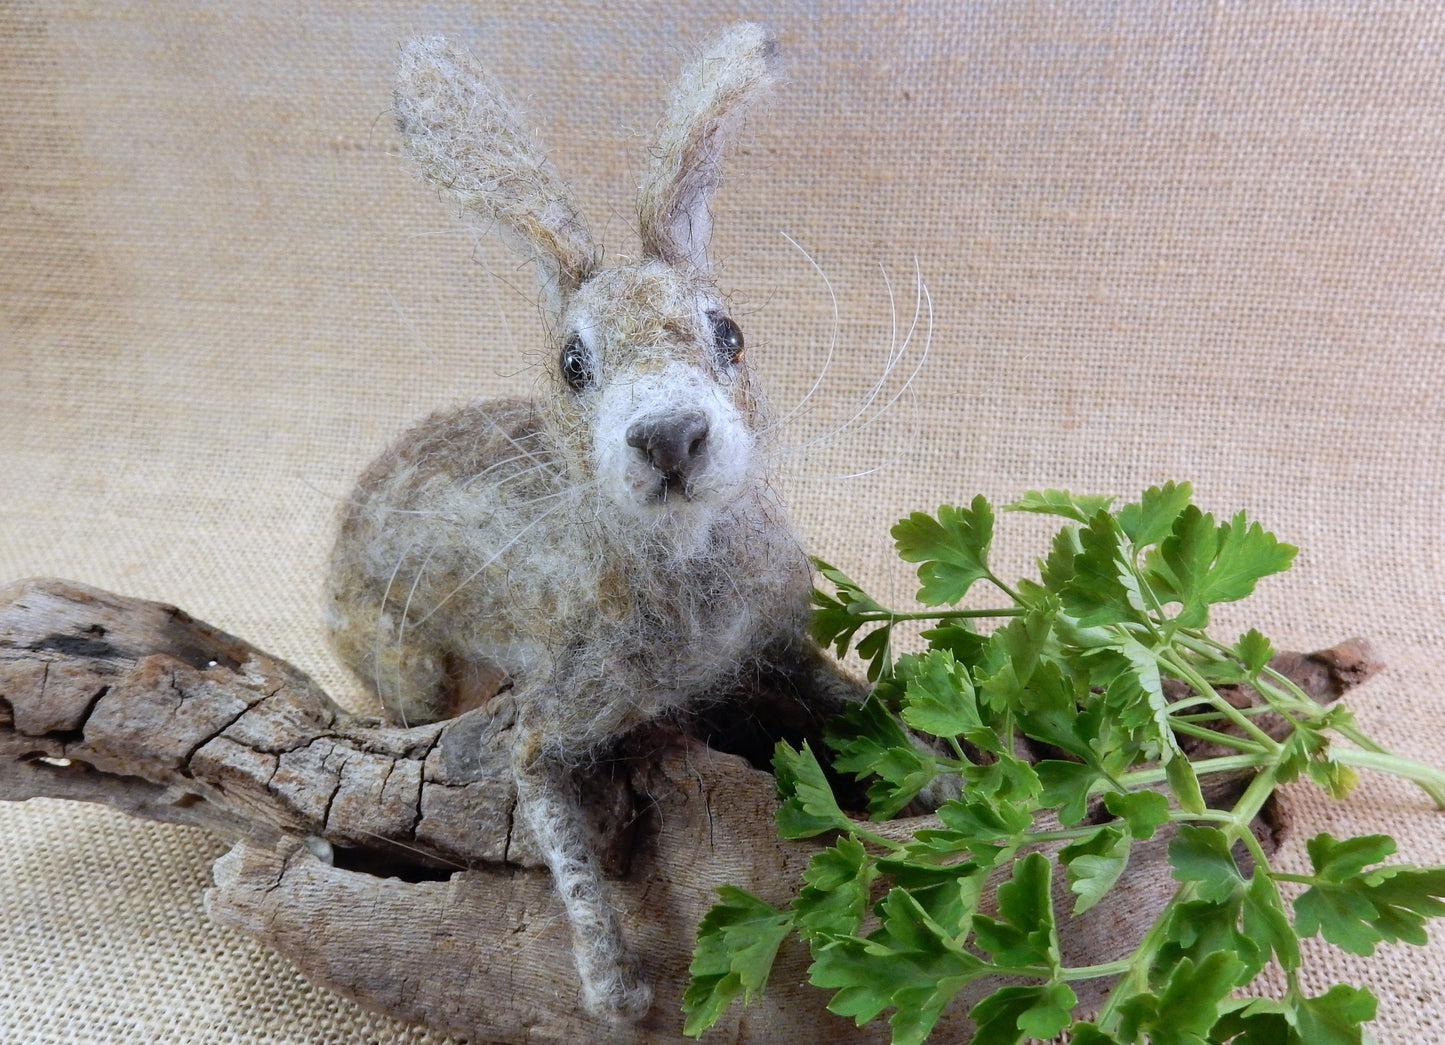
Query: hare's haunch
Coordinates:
[609,553]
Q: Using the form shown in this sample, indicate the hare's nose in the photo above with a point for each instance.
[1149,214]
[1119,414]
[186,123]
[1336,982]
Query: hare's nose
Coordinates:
[672,444]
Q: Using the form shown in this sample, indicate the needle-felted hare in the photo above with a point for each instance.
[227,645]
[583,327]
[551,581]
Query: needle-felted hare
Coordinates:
[609,553]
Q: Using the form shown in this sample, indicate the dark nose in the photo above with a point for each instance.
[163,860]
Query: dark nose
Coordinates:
[672,444]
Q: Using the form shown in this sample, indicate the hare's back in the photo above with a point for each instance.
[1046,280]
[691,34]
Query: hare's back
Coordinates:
[485,442]
[451,492]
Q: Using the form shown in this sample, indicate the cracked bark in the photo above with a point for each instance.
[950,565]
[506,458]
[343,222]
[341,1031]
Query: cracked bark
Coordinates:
[382,861]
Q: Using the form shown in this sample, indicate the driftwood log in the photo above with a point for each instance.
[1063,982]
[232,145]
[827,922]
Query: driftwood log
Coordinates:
[383,861]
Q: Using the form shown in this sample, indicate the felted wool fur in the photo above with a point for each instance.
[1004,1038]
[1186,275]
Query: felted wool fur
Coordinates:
[611,552]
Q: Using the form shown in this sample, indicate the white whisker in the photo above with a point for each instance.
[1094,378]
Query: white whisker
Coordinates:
[381,642]
[483,567]
[868,412]
[832,341]
[924,299]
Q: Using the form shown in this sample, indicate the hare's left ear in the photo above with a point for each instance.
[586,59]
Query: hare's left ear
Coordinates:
[708,103]
[469,142]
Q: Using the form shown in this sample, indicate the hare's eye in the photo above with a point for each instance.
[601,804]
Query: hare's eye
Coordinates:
[576,366]
[726,337]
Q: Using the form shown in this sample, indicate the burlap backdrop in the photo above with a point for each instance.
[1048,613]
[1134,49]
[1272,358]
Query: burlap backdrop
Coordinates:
[1201,241]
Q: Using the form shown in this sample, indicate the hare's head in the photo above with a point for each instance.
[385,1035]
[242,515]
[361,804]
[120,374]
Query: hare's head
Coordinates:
[652,398]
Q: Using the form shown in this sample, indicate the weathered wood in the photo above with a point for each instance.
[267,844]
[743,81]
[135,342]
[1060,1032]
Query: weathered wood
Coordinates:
[140,706]
[348,830]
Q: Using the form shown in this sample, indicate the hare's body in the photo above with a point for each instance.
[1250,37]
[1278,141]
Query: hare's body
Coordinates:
[470,556]
[613,551]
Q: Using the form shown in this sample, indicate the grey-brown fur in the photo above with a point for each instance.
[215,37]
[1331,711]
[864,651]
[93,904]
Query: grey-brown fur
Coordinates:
[613,551]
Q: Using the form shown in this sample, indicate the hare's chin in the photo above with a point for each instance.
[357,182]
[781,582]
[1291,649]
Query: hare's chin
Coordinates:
[664,498]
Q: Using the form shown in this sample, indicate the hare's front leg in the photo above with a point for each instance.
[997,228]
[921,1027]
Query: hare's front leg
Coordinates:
[408,675]
[547,805]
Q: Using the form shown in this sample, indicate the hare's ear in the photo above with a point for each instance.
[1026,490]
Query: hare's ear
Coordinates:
[708,103]
[469,142]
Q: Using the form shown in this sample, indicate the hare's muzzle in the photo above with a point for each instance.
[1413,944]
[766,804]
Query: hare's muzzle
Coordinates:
[673,444]
[669,444]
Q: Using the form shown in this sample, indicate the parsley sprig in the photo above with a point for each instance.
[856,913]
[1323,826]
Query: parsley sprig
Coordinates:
[1103,660]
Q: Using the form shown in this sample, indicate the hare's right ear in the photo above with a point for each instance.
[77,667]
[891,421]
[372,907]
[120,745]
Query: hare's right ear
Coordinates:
[469,142]
[708,103]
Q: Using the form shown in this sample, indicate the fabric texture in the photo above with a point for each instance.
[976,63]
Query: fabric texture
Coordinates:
[1159,241]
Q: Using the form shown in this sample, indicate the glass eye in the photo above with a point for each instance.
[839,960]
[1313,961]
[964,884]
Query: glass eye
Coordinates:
[575,364]
[726,337]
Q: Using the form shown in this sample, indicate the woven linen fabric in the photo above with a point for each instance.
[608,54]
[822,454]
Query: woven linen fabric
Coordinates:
[1159,241]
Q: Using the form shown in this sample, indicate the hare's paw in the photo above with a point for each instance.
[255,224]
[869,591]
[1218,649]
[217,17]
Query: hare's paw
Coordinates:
[620,997]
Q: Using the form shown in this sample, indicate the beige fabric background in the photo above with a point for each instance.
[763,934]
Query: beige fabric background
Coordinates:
[1162,240]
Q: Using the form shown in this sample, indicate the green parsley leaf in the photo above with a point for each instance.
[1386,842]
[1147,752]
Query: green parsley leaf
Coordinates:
[1183,781]
[1104,588]
[1253,651]
[1090,1034]
[1094,864]
[966,644]
[1079,507]
[1023,934]
[953,549]
[1151,518]
[1136,692]
[1249,923]
[1339,860]
[737,941]
[1066,786]
[868,741]
[808,806]
[835,896]
[1200,564]
[1009,659]
[1010,1014]
[1143,811]
[975,824]
[949,894]
[1048,710]
[836,620]
[1336,1017]
[1005,779]
[1201,855]
[1308,748]
[1264,920]
[1056,570]
[877,649]
[1354,909]
[1199,928]
[1188,1006]
[939,699]
[908,963]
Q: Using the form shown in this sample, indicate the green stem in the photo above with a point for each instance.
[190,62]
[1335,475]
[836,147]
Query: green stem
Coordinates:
[1215,816]
[1210,716]
[1261,858]
[1062,834]
[1282,684]
[1001,586]
[1136,978]
[1214,736]
[1222,764]
[892,617]
[1064,972]
[1093,972]
[1186,672]
[1430,779]
[872,836]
